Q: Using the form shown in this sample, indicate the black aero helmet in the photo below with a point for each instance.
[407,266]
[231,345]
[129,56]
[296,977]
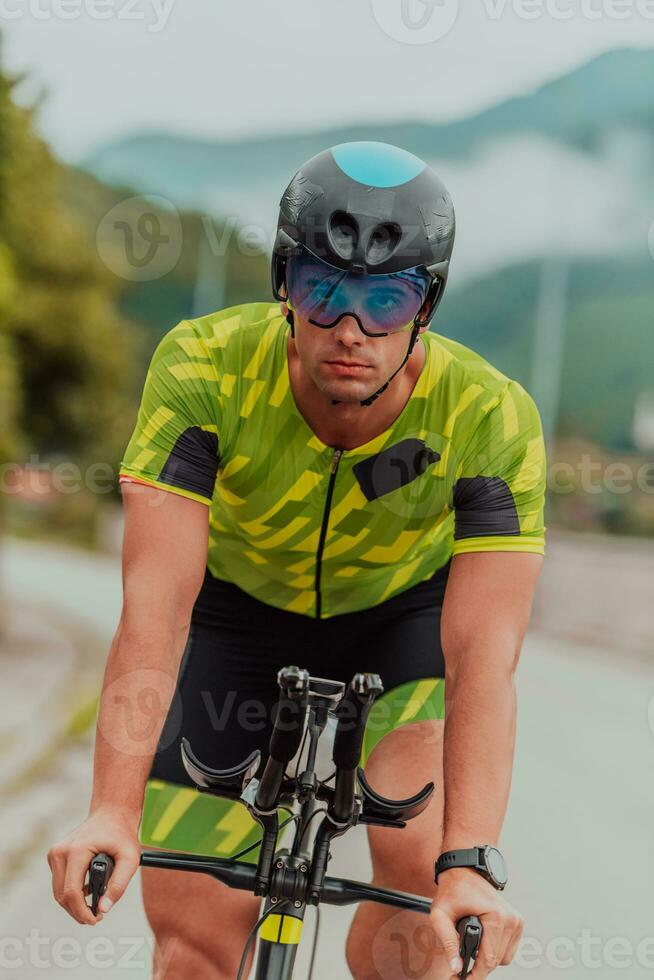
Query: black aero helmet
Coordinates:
[368,207]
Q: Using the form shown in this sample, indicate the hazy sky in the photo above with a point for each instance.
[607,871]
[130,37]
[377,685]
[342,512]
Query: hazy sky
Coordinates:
[217,69]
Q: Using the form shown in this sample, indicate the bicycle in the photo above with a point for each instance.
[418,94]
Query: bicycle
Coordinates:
[290,879]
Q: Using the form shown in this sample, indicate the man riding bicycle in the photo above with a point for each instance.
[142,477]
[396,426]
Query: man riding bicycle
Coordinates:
[326,482]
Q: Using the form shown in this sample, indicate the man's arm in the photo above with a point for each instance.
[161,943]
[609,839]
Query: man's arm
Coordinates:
[485,614]
[164,558]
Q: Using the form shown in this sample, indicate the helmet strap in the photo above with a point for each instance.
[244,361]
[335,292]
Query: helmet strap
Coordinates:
[414,336]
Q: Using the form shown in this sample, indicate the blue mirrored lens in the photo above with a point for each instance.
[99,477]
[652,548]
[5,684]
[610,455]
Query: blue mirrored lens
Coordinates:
[322,294]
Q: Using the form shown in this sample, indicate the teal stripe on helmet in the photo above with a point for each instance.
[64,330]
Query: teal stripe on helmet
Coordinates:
[377,164]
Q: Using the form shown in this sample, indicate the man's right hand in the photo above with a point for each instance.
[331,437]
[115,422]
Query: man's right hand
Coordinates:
[107,831]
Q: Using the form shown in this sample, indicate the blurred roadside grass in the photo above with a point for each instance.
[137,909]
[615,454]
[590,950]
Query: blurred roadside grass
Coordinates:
[83,717]
[50,761]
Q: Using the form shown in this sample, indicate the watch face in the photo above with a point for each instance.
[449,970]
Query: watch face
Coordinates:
[496,865]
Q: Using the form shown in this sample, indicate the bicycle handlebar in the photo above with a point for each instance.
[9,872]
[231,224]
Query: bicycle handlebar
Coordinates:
[242,876]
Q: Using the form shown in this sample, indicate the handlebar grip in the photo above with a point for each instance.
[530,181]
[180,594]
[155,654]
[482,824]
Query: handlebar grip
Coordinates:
[288,728]
[352,714]
[100,871]
[288,720]
[470,932]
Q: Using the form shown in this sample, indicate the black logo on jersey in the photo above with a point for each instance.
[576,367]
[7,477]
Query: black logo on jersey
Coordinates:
[394,467]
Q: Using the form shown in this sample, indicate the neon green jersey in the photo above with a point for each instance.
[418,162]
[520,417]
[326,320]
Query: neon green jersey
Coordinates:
[314,529]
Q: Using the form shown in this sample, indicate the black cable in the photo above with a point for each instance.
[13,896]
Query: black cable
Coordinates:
[315,942]
[284,901]
[297,764]
[253,934]
[251,847]
[322,809]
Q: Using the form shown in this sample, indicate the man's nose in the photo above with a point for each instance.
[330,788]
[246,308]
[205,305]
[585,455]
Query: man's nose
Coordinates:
[347,331]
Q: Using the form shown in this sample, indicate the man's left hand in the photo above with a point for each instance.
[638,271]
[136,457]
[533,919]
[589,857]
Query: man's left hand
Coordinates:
[461,892]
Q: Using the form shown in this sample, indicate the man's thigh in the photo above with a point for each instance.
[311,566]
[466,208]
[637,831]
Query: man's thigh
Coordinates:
[382,941]
[200,926]
[401,763]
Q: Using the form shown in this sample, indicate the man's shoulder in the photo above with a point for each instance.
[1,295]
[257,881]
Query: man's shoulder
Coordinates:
[466,363]
[242,323]
[227,338]
[477,386]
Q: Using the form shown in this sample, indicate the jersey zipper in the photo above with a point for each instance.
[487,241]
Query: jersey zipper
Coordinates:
[333,467]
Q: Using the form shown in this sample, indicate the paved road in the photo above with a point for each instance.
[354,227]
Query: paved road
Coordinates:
[578,832]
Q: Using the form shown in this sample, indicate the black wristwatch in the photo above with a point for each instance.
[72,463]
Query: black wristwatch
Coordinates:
[486,860]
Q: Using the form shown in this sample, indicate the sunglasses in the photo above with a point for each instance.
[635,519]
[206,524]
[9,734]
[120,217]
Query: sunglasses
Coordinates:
[381,304]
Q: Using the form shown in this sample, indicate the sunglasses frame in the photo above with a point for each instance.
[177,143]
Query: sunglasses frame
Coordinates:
[430,299]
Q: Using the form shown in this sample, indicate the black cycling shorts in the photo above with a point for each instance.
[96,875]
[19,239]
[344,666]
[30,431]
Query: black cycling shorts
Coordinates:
[227,689]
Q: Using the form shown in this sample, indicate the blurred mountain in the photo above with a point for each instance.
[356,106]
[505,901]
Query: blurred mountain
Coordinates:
[578,109]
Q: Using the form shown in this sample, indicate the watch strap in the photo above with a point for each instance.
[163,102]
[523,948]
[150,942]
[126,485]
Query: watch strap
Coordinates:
[465,857]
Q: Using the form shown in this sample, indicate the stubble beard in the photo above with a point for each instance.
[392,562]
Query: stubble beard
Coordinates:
[350,392]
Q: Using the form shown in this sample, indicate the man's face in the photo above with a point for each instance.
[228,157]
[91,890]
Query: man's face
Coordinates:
[344,363]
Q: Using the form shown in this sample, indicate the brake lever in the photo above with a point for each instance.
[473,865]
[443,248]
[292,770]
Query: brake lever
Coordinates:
[470,932]
[100,871]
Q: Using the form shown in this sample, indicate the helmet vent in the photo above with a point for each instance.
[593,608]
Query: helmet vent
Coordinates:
[343,234]
[382,242]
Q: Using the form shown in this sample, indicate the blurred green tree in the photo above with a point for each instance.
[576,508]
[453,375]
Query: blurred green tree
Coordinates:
[68,358]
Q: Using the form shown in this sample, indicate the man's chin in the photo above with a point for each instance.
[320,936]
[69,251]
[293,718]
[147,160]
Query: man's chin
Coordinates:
[350,394]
